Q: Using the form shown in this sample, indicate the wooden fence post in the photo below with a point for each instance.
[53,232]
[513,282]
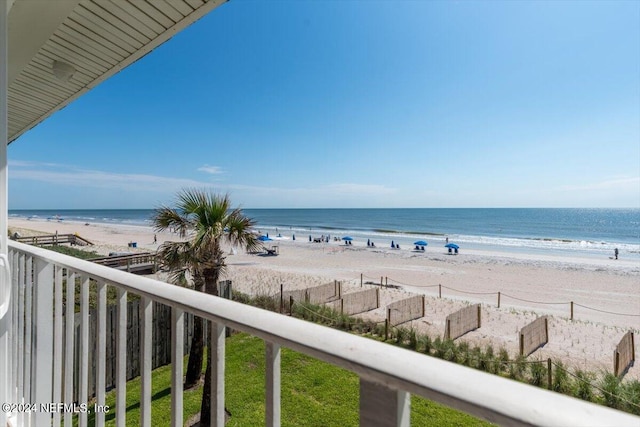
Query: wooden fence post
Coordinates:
[479,315]
[521,344]
[360,279]
[571,310]
[377,298]
[386,282]
[381,281]
[549,375]
[498,299]
[291,305]
[281,298]
[439,291]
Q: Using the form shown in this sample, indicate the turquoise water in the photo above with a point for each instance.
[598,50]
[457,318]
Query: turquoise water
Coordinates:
[590,232]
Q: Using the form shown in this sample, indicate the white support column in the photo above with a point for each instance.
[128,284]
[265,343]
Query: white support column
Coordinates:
[121,360]
[101,350]
[5,283]
[146,341]
[217,349]
[272,390]
[22,265]
[57,343]
[41,378]
[83,395]
[69,345]
[381,406]
[177,356]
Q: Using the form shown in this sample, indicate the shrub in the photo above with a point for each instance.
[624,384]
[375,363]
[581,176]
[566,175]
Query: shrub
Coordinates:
[630,396]
[583,388]
[561,382]
[538,372]
[428,344]
[610,385]
[503,357]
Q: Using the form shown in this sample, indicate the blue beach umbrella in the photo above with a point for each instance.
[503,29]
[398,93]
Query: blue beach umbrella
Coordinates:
[420,243]
[452,246]
[347,238]
[265,238]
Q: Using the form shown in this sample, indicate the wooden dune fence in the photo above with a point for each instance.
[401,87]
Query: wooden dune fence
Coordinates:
[321,294]
[358,302]
[534,336]
[624,354]
[161,351]
[404,310]
[463,321]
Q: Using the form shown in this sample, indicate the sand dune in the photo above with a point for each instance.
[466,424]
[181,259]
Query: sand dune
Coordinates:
[603,291]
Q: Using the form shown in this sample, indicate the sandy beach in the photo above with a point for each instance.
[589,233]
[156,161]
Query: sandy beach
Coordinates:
[605,292]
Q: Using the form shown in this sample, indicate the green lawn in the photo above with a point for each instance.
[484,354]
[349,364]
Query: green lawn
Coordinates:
[314,393]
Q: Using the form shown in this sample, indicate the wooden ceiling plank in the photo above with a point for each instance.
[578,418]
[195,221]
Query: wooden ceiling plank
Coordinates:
[105,29]
[60,53]
[45,88]
[133,17]
[168,10]
[87,54]
[117,22]
[101,40]
[153,13]
[195,4]
[89,44]
[182,7]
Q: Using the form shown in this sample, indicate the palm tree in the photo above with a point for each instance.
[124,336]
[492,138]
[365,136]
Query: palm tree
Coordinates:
[206,221]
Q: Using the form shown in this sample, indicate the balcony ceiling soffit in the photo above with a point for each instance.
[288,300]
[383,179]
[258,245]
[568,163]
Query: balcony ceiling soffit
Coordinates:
[97,38]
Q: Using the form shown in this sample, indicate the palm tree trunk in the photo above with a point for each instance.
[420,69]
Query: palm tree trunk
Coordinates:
[196,354]
[211,287]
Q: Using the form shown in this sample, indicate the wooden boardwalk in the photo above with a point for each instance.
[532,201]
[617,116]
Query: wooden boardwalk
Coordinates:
[139,263]
[54,239]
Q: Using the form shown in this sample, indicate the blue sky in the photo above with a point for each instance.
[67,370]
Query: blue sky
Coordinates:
[359,104]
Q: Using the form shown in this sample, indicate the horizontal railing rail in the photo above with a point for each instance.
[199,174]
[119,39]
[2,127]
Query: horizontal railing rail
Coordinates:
[388,374]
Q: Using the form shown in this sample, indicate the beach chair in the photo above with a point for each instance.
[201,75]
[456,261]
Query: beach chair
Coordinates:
[272,251]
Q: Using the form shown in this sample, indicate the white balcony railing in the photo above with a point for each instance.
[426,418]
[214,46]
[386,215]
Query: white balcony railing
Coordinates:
[387,374]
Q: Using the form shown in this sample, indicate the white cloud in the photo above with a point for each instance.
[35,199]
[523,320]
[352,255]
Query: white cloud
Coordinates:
[610,184]
[213,170]
[74,176]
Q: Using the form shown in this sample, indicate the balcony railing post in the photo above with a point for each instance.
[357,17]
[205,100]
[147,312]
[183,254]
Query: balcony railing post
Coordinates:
[177,355]
[42,339]
[101,350]
[57,342]
[381,406]
[273,384]
[69,344]
[146,340]
[121,360]
[84,348]
[217,349]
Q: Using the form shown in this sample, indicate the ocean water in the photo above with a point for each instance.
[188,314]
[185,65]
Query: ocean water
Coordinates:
[579,232]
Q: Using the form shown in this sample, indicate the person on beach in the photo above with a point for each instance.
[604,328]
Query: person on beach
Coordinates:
[615,253]
[155,239]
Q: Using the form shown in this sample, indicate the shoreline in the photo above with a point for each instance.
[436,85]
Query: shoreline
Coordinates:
[603,286]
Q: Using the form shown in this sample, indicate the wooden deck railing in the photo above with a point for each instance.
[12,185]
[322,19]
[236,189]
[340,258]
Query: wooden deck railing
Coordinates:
[387,374]
[53,239]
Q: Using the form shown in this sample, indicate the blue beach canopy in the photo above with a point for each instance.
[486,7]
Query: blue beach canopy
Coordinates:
[264,238]
[420,243]
[347,238]
[452,246]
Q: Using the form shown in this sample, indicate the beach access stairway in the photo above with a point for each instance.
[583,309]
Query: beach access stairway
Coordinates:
[38,347]
[53,239]
[139,263]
